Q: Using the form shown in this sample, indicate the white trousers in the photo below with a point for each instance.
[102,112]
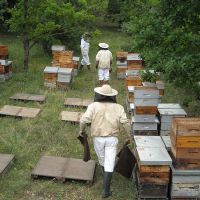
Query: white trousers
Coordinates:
[85,59]
[106,150]
[103,74]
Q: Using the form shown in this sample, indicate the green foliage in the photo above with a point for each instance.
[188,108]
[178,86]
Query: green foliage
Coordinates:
[149,76]
[167,36]
[48,21]
[3,5]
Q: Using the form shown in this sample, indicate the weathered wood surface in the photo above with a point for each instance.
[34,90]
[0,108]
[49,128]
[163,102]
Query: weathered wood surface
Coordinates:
[77,102]
[6,161]
[22,112]
[146,110]
[64,168]
[73,117]
[28,97]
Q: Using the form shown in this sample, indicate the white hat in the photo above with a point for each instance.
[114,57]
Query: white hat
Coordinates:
[103,45]
[106,90]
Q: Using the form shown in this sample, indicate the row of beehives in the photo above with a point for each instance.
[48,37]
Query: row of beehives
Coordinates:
[5,64]
[64,68]
[175,174]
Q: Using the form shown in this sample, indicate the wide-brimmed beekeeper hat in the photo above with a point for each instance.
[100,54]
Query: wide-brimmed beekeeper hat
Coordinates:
[106,90]
[103,45]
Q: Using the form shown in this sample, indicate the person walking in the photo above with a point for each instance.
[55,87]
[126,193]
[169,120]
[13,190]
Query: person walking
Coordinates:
[103,63]
[105,116]
[85,46]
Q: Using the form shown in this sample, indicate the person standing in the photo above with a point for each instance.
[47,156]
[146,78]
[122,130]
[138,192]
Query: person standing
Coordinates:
[103,63]
[105,116]
[85,46]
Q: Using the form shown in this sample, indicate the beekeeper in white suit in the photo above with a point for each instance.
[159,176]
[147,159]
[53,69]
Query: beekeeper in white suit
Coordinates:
[85,46]
[105,116]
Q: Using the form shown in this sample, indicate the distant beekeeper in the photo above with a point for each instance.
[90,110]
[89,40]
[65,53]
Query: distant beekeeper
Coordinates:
[103,63]
[105,116]
[85,46]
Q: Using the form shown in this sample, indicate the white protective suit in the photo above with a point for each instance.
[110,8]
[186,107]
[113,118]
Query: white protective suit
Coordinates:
[85,46]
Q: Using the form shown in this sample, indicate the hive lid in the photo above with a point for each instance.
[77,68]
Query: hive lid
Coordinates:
[134,56]
[51,70]
[148,141]
[168,105]
[75,58]
[172,112]
[131,88]
[58,48]
[65,70]
[153,156]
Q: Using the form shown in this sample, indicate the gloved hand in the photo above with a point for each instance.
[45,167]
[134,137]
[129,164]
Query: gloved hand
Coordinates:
[81,133]
[110,70]
[127,141]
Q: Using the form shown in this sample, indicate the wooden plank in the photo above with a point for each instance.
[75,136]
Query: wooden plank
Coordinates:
[10,110]
[73,102]
[71,116]
[6,161]
[28,97]
[28,112]
[64,168]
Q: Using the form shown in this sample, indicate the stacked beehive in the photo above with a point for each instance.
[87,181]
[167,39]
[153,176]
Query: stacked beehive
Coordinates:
[153,168]
[166,114]
[3,52]
[65,77]
[185,150]
[121,58]
[134,62]
[50,77]
[5,70]
[144,120]
[66,59]
[56,51]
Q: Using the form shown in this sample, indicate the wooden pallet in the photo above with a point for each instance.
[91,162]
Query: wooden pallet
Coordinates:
[64,168]
[6,161]
[21,112]
[77,102]
[28,97]
[73,117]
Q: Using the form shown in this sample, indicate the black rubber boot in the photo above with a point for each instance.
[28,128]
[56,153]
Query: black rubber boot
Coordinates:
[88,66]
[106,184]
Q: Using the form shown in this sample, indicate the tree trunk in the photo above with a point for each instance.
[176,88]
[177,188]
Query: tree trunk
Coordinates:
[26,53]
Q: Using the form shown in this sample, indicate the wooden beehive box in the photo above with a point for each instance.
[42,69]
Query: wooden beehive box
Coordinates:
[3,51]
[134,58]
[57,48]
[121,55]
[149,110]
[133,81]
[50,74]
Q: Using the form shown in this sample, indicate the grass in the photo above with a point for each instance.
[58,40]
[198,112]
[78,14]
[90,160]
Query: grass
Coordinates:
[29,139]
